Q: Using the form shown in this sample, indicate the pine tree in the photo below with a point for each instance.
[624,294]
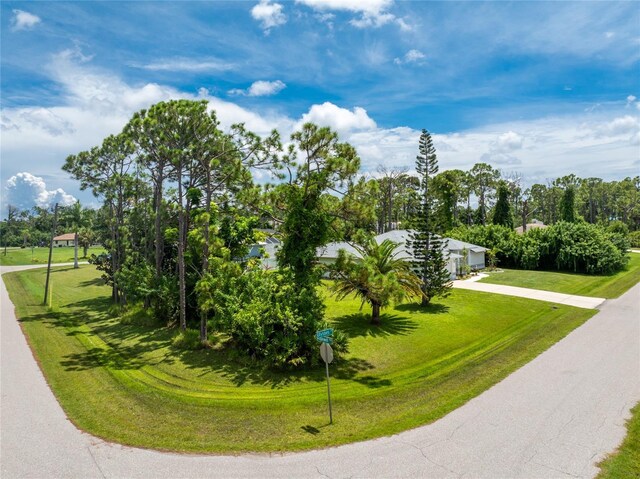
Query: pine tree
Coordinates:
[427,248]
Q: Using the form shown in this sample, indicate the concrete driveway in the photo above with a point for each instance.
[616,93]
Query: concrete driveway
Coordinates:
[555,417]
[586,302]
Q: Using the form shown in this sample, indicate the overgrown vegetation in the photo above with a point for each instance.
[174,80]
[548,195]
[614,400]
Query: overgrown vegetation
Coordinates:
[576,247]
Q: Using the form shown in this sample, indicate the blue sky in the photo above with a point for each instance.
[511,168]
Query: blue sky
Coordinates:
[541,89]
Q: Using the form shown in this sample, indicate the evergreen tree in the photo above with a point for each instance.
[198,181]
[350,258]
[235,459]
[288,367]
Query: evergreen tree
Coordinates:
[502,212]
[429,261]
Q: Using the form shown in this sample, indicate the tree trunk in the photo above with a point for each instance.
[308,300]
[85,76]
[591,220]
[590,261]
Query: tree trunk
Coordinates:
[181,264]
[205,256]
[375,314]
[159,240]
[75,251]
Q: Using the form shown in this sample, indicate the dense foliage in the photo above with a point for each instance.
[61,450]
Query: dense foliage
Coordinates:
[576,247]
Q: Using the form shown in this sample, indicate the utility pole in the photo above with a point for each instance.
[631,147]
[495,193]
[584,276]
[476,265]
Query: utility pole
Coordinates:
[53,234]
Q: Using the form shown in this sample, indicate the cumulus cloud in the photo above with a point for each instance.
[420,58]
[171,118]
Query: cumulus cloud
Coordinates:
[261,88]
[412,56]
[269,14]
[373,13]
[23,20]
[502,148]
[340,119]
[24,191]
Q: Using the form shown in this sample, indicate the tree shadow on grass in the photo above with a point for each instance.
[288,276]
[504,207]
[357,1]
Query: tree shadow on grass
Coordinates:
[242,371]
[433,308]
[359,324]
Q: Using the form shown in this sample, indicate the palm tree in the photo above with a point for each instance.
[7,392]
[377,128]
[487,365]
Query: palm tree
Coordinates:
[379,277]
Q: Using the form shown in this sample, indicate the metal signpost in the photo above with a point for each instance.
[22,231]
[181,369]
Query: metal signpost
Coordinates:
[326,352]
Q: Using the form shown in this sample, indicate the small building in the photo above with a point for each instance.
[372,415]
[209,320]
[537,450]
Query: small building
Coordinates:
[67,239]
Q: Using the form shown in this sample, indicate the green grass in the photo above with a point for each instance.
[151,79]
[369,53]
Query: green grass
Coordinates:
[19,256]
[127,383]
[605,286]
[625,462]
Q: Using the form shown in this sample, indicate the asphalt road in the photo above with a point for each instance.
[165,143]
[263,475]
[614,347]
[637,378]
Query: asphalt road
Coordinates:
[555,417]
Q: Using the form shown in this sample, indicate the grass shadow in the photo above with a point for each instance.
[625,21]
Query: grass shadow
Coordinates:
[359,325]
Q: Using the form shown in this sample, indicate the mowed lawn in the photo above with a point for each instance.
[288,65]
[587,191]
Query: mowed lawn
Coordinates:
[599,286]
[126,382]
[19,256]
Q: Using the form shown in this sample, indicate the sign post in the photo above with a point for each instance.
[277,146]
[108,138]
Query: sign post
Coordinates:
[326,352]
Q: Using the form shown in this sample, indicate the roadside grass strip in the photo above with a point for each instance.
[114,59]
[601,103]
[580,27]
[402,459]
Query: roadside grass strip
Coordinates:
[40,255]
[625,461]
[599,286]
[126,382]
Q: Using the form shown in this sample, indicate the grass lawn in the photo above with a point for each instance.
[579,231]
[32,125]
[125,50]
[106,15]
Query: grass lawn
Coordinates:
[126,383]
[605,286]
[17,256]
[625,462]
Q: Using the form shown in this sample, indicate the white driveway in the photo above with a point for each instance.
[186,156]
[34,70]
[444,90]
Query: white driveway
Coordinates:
[555,417]
[538,294]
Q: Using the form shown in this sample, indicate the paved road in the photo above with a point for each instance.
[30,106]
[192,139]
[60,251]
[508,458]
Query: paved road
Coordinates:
[562,298]
[553,418]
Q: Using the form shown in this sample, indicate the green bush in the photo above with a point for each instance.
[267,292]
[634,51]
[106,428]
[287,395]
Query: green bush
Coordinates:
[267,316]
[578,247]
[634,239]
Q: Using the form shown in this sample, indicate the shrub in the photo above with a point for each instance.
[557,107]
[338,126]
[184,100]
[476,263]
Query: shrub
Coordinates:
[267,316]
[634,239]
[578,247]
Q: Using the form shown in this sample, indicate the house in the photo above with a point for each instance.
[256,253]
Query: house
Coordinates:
[67,239]
[454,251]
[534,224]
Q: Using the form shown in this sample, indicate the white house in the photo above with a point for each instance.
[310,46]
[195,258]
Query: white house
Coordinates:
[67,239]
[454,251]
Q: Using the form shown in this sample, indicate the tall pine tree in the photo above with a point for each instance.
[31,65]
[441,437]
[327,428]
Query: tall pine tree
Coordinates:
[429,259]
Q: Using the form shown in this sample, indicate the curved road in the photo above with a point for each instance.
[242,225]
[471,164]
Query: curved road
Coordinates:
[555,417]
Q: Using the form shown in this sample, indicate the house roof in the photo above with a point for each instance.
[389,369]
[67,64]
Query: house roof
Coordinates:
[398,236]
[65,237]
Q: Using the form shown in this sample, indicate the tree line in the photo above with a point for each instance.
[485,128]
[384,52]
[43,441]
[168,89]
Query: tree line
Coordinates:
[181,210]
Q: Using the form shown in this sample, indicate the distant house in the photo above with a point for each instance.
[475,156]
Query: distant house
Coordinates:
[534,224]
[454,251]
[67,239]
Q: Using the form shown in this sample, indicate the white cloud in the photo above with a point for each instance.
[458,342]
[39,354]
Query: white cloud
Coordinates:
[261,88]
[373,13]
[24,191]
[270,15]
[625,126]
[340,119]
[23,20]
[185,65]
[97,103]
[412,56]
